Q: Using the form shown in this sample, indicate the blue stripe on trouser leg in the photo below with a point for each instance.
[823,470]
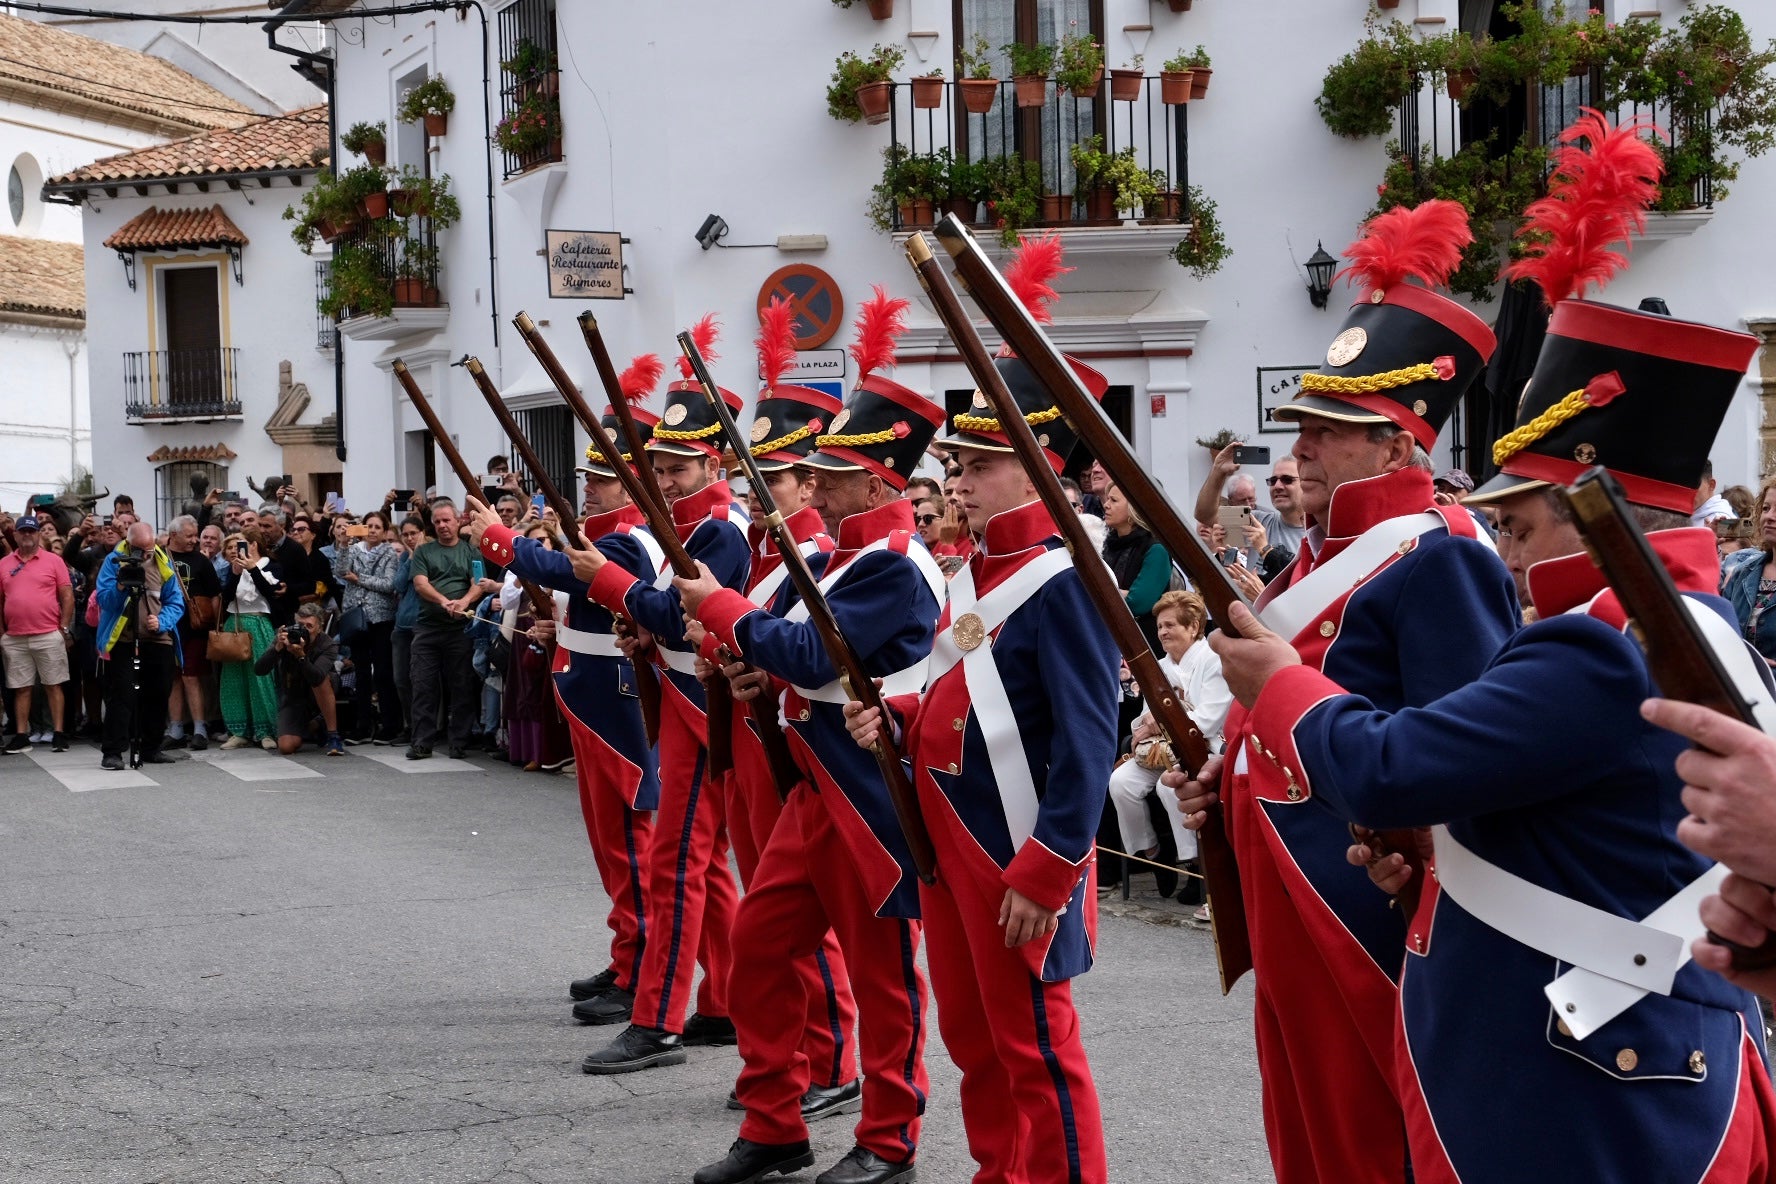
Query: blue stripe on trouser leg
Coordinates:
[678,889]
[637,897]
[1058,1077]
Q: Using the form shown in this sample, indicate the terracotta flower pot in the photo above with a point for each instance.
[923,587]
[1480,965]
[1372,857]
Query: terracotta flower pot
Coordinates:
[1032,90]
[328,230]
[436,125]
[1164,207]
[1090,88]
[873,98]
[376,152]
[1460,81]
[1199,81]
[928,92]
[881,10]
[978,94]
[555,148]
[1057,207]
[1184,5]
[429,296]
[1387,3]
[552,83]
[1174,87]
[376,205]
[1125,85]
[401,202]
[924,213]
[963,208]
[409,291]
[1100,205]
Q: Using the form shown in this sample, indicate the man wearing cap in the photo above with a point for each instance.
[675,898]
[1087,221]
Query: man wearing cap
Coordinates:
[1011,747]
[37,606]
[615,766]
[690,892]
[787,422]
[837,857]
[1394,597]
[1547,1000]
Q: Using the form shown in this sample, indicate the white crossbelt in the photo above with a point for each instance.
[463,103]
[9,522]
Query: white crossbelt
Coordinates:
[1616,961]
[909,680]
[685,661]
[682,661]
[1297,606]
[598,645]
[763,591]
[986,689]
[650,546]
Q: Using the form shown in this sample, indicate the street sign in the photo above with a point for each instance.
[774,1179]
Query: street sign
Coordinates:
[814,297]
[1277,385]
[585,264]
[815,363]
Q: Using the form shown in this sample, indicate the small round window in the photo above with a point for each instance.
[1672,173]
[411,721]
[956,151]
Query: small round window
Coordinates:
[15,195]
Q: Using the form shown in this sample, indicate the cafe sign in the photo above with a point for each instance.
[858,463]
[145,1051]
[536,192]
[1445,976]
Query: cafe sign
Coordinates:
[585,264]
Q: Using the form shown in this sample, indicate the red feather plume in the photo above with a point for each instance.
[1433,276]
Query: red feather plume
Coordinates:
[704,333]
[642,376]
[1598,196]
[1424,242]
[880,320]
[776,340]
[1032,271]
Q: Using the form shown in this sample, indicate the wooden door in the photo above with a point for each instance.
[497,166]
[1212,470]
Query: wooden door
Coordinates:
[191,363]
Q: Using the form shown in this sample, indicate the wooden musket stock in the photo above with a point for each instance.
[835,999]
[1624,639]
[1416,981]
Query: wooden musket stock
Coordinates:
[845,659]
[1678,656]
[1232,944]
[496,402]
[540,599]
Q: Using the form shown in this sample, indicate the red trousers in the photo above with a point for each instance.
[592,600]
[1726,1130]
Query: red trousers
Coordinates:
[1029,1105]
[620,839]
[753,808]
[690,892]
[806,890]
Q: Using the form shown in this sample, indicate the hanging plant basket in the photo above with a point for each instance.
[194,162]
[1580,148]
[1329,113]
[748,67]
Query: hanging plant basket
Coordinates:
[1387,3]
[928,91]
[1459,82]
[436,125]
[881,10]
[1199,81]
[376,151]
[1090,88]
[401,202]
[873,99]
[1032,90]
[1184,5]
[376,205]
[1175,87]
[1125,85]
[978,94]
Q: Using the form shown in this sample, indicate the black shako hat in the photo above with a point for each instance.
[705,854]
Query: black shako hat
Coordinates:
[788,420]
[884,429]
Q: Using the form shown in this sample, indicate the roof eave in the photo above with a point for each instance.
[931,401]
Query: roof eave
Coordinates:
[78,189]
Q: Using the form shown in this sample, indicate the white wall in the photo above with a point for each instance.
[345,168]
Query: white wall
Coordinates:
[663,129]
[269,318]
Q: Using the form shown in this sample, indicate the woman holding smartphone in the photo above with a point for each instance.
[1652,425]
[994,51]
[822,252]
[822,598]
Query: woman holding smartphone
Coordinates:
[366,570]
[249,700]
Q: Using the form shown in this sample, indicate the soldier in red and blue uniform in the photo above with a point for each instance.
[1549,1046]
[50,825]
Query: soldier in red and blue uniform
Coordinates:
[837,857]
[1401,601]
[691,893]
[787,421]
[614,763]
[1011,746]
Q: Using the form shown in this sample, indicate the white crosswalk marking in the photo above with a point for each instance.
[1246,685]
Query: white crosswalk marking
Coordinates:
[438,764]
[255,764]
[78,770]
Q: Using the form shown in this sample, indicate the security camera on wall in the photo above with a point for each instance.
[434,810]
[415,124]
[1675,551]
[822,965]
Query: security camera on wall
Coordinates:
[711,232]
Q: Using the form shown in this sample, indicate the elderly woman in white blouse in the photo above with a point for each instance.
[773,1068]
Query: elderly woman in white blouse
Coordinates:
[1192,667]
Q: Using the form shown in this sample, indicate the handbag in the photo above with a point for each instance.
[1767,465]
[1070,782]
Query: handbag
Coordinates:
[226,645]
[353,624]
[1154,753]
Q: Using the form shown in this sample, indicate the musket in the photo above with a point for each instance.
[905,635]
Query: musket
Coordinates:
[1007,314]
[541,601]
[496,402]
[1682,663]
[845,659]
[1233,954]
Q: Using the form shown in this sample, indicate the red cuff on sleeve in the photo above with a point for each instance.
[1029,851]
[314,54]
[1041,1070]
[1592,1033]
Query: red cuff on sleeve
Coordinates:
[721,614]
[496,544]
[1043,876]
[1289,695]
[610,588]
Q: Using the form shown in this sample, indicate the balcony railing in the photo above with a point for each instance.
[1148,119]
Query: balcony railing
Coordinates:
[179,384]
[396,257]
[326,332]
[969,163]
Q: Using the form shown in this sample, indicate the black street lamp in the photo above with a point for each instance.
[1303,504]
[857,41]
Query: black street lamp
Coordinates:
[1320,267]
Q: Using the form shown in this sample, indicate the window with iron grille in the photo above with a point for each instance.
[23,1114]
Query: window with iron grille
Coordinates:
[529,131]
[175,492]
[326,332]
[550,431]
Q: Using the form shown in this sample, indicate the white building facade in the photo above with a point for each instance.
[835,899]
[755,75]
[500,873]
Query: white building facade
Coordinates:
[661,129]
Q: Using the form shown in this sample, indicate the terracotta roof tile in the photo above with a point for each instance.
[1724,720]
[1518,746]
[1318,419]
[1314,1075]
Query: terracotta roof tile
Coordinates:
[42,277]
[34,55]
[155,229]
[168,454]
[288,141]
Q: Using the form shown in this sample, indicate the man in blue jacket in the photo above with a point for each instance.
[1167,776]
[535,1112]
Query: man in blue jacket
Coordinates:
[140,605]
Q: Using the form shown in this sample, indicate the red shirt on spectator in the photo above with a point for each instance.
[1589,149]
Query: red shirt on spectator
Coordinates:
[30,588]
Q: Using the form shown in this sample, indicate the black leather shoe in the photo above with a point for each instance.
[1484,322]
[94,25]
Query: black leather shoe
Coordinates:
[822,1101]
[418,752]
[612,1007]
[458,752]
[734,1102]
[862,1166]
[748,1162]
[709,1031]
[112,762]
[1190,888]
[637,1048]
[157,758]
[598,984]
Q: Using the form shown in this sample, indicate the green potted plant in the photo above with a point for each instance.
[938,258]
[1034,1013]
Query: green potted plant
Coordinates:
[928,89]
[1167,202]
[1204,249]
[356,285]
[1200,70]
[1079,64]
[923,184]
[1125,81]
[879,10]
[965,188]
[860,87]
[432,199]
[1132,185]
[366,187]
[326,212]
[1030,65]
[404,186]
[416,266]
[1174,80]
[369,140]
[431,101]
[1089,164]
[1361,91]
[886,193]
[533,127]
[1014,187]
[974,67]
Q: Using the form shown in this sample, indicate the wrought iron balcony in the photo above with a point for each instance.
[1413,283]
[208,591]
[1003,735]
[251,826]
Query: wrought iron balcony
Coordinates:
[174,385]
[1012,166]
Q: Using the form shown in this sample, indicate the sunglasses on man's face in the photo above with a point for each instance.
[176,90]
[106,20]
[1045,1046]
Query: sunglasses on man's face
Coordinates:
[926,519]
[1279,480]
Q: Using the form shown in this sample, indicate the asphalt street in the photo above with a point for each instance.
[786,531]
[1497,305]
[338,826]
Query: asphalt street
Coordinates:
[250,968]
